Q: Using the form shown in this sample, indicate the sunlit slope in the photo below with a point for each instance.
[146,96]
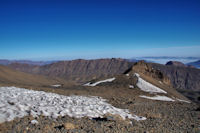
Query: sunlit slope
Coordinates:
[11,77]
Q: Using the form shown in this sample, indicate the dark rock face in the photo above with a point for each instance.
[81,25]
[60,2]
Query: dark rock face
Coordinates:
[78,70]
[175,63]
[181,77]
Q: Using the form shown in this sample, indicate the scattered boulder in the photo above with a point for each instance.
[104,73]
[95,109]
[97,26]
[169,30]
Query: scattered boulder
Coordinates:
[69,126]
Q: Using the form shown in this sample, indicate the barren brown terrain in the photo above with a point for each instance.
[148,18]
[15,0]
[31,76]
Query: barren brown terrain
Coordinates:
[162,116]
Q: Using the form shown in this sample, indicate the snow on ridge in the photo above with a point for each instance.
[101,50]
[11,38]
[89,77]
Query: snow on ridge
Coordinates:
[20,102]
[180,100]
[56,85]
[98,82]
[146,86]
[157,97]
[164,98]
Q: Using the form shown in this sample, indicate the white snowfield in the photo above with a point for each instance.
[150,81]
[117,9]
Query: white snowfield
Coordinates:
[19,102]
[146,86]
[160,98]
[99,82]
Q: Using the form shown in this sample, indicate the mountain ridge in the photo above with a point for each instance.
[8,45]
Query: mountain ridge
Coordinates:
[79,70]
[83,70]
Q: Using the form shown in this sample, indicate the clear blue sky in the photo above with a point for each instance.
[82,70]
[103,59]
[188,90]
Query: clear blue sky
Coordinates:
[53,29]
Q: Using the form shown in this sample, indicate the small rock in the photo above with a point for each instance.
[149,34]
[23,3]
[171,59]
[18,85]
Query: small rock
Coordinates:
[69,126]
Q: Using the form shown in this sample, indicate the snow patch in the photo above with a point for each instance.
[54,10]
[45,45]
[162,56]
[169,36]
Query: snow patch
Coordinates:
[157,97]
[131,86]
[20,102]
[146,86]
[34,122]
[182,100]
[127,75]
[99,82]
[56,85]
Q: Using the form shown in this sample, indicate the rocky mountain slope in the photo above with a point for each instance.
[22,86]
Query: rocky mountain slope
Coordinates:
[78,70]
[185,78]
[11,77]
[181,77]
[141,72]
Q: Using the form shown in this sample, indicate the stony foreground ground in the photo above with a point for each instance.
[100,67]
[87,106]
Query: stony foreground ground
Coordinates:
[166,117]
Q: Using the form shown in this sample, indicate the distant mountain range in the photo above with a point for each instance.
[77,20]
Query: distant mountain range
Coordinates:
[40,63]
[195,64]
[191,61]
[165,59]
[170,57]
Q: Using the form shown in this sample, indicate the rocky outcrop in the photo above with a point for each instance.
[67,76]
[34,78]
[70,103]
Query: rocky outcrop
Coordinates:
[148,70]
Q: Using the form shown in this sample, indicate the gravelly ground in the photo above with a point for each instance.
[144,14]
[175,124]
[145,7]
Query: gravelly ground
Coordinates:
[162,117]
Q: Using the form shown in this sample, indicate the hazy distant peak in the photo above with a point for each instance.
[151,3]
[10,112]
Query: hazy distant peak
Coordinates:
[176,63]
